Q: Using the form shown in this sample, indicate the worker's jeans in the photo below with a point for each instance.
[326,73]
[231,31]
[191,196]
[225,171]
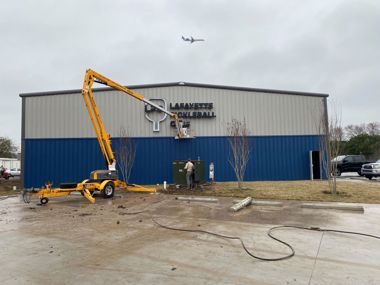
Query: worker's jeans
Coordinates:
[189,179]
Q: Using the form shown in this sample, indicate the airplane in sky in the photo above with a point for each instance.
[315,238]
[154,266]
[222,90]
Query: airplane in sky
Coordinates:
[191,39]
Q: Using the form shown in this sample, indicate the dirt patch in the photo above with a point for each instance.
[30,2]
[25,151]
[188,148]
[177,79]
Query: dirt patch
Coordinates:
[349,192]
[6,186]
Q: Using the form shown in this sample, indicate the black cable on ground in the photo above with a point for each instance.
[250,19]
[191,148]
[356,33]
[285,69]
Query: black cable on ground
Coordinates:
[323,230]
[269,233]
[234,238]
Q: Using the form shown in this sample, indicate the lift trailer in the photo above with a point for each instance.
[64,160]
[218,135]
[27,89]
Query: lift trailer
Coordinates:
[104,181]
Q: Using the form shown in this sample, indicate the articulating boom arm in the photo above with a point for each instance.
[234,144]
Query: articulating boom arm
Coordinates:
[93,111]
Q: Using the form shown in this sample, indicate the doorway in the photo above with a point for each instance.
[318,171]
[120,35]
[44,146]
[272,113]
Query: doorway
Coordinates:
[315,164]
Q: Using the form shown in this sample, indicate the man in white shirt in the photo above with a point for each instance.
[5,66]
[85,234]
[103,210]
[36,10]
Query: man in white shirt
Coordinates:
[189,166]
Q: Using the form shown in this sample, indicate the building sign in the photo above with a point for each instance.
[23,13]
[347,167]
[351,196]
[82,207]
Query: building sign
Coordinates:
[193,110]
[191,106]
[183,111]
[154,115]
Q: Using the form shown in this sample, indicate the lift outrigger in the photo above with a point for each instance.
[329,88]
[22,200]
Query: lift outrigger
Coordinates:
[104,181]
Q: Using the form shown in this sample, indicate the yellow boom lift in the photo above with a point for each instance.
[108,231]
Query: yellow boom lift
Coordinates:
[104,181]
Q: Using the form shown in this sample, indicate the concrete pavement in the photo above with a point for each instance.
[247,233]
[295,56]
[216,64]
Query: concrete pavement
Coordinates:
[69,241]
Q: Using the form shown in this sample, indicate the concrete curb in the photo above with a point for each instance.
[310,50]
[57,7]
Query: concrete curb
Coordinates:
[263,203]
[198,199]
[344,207]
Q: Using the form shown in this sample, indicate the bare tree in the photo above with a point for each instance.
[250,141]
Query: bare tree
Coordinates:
[335,139]
[331,137]
[126,154]
[373,128]
[7,148]
[354,130]
[323,131]
[238,140]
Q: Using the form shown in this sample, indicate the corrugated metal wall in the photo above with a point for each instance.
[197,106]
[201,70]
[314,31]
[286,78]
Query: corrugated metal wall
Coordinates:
[59,144]
[65,116]
[71,160]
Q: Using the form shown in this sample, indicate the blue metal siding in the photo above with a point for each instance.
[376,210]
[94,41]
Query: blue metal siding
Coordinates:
[71,160]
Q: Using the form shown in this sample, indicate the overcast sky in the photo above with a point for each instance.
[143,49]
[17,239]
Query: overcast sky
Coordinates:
[330,46]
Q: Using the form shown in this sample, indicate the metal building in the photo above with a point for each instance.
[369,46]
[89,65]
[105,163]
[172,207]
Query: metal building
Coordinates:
[9,163]
[59,144]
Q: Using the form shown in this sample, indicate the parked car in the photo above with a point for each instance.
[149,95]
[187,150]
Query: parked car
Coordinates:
[13,172]
[3,173]
[371,170]
[349,163]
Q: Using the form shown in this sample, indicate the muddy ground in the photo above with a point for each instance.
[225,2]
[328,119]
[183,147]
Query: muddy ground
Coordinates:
[6,186]
[355,190]
[115,241]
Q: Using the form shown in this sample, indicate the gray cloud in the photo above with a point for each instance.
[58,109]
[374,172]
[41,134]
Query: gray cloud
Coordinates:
[317,46]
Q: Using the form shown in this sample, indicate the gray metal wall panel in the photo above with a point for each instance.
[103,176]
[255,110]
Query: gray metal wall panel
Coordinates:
[65,116]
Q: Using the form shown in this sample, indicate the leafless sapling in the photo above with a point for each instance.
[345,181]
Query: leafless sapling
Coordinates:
[126,154]
[331,137]
[238,140]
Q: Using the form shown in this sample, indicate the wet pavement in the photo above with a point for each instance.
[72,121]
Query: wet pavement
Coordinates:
[354,177]
[69,241]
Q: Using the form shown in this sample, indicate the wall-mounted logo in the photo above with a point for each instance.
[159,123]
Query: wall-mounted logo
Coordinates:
[183,110]
[154,115]
[193,110]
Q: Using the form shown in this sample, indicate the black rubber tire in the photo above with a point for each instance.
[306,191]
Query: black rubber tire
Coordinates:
[337,172]
[108,190]
[369,177]
[44,201]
